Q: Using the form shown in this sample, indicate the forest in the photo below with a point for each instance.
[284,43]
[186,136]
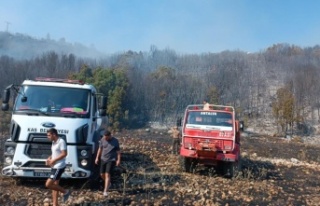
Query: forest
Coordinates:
[279,83]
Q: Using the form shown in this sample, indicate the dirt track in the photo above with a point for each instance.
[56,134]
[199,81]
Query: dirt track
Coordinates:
[275,172]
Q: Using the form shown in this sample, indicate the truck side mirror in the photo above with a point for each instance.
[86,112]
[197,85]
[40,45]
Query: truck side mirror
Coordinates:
[5,100]
[103,102]
[103,106]
[241,125]
[6,96]
[179,122]
[102,112]
[5,107]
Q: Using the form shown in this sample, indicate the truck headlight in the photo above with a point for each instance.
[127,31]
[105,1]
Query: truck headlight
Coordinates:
[84,162]
[83,153]
[10,150]
[188,145]
[8,160]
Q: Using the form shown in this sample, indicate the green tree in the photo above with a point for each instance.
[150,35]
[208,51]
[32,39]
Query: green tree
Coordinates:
[283,108]
[85,74]
[117,87]
[114,84]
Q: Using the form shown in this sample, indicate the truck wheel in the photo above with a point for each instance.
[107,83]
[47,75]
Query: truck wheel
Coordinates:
[186,164]
[232,169]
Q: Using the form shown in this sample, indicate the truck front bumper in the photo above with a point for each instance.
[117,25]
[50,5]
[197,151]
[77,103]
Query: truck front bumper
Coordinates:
[209,155]
[14,171]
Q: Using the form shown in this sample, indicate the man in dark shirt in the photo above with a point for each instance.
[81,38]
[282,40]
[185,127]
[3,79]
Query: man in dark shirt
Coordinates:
[109,156]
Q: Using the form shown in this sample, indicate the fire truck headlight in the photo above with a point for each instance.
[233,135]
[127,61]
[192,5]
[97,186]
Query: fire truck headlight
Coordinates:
[189,146]
[83,153]
[10,150]
[8,160]
[84,162]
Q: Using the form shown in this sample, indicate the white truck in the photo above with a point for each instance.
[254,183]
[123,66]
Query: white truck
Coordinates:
[74,108]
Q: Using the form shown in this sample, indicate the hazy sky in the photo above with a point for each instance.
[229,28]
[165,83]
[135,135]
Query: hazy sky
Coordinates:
[186,26]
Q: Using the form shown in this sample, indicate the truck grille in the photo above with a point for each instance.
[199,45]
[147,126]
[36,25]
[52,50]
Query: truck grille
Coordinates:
[38,151]
[39,146]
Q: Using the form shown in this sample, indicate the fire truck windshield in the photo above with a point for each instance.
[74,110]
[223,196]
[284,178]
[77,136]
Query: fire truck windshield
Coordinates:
[53,100]
[209,119]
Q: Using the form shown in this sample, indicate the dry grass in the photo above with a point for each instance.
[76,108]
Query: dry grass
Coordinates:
[274,171]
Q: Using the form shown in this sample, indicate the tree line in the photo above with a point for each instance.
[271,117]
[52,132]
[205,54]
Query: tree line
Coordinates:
[279,83]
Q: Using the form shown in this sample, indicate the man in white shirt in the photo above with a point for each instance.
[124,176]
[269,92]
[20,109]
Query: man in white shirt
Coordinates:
[57,162]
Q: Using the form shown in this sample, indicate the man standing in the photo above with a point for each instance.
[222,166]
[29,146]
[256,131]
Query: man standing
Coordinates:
[175,133]
[57,162]
[206,105]
[109,156]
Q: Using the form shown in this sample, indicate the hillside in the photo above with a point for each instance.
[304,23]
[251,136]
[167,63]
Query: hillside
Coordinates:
[166,81]
[20,46]
[274,172]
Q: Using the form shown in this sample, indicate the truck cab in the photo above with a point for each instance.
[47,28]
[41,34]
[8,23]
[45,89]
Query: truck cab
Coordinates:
[210,137]
[74,108]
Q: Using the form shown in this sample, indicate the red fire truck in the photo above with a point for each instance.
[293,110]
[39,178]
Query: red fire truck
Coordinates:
[210,137]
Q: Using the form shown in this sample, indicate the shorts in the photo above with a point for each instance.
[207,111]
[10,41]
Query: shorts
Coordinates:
[107,167]
[56,173]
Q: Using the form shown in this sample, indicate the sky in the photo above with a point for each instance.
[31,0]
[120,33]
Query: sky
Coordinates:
[185,26]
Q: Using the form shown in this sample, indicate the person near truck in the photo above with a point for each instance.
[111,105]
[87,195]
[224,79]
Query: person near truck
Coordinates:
[206,105]
[57,162]
[175,134]
[109,156]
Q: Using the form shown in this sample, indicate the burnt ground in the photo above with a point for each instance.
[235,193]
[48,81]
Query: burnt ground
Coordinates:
[275,172]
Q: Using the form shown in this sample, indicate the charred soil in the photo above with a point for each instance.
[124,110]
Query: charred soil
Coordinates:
[275,171]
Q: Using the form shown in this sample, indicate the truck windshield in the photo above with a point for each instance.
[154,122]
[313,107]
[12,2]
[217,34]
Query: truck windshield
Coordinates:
[53,100]
[209,119]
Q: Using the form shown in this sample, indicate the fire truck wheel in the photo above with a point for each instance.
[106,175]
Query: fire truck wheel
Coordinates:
[232,169]
[186,164]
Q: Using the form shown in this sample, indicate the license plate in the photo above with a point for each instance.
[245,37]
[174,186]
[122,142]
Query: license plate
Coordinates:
[41,174]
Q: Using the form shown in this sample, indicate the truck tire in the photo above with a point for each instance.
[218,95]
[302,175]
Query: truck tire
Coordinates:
[232,169]
[186,164]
